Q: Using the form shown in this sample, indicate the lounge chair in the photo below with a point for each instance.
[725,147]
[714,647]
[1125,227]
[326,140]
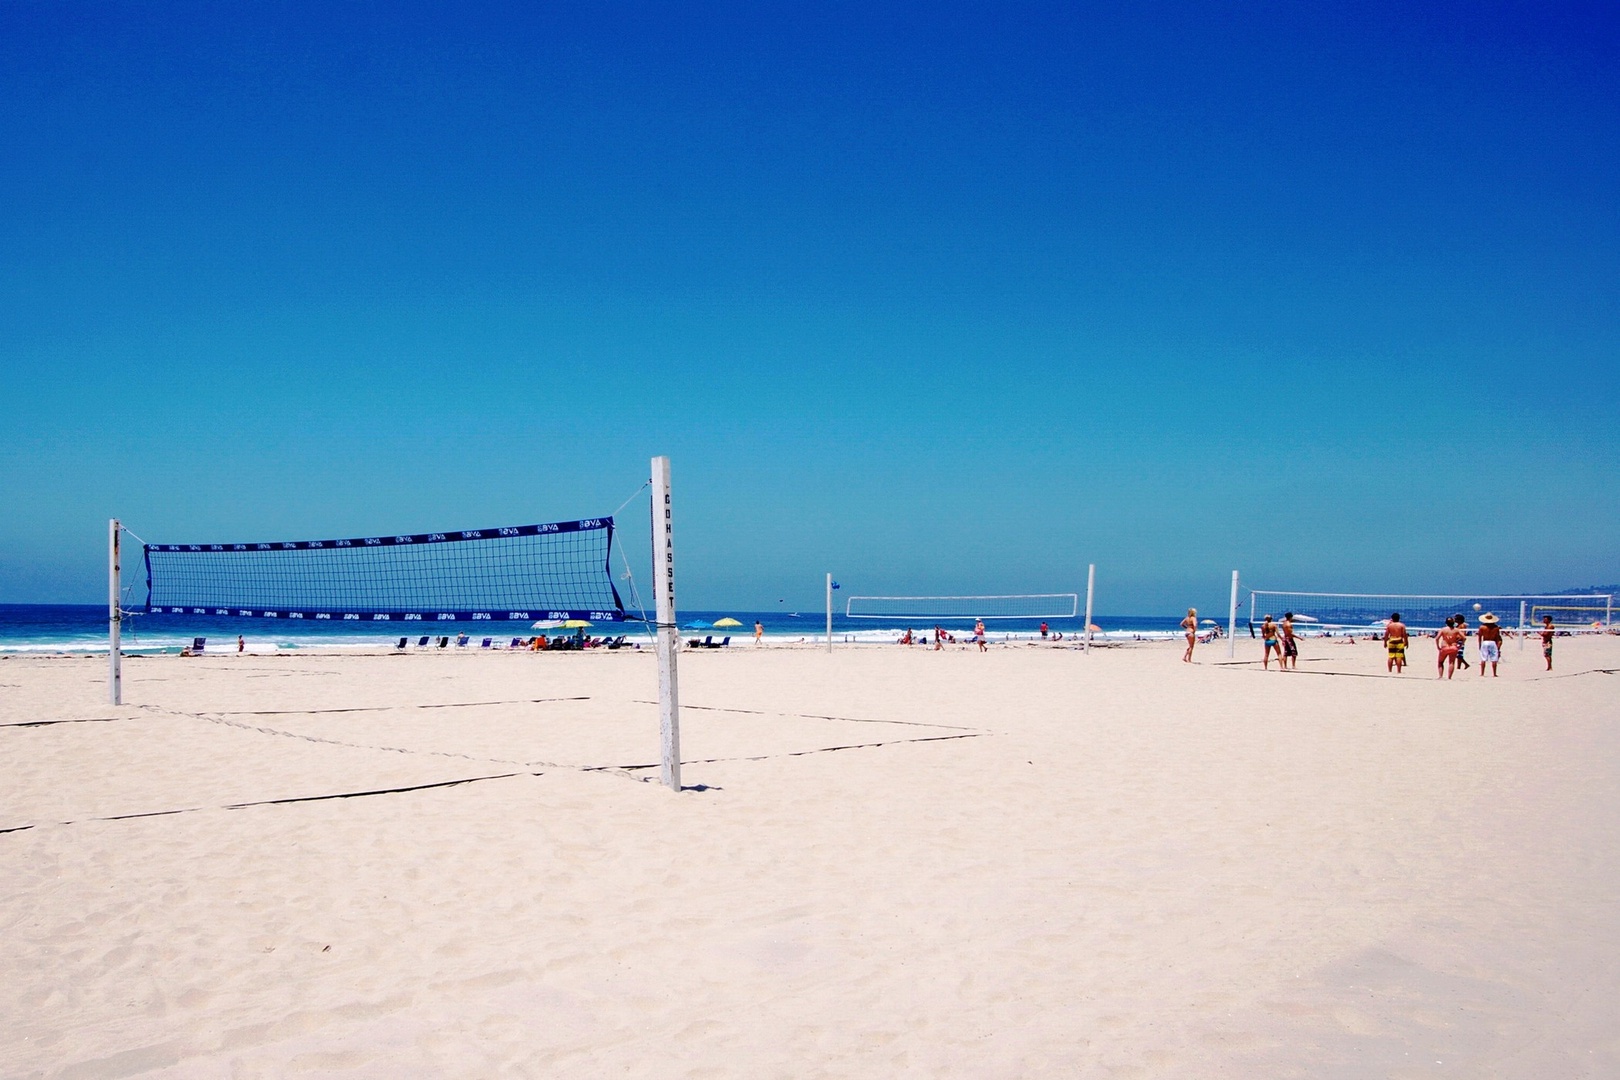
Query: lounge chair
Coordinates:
[706,643]
[486,643]
[443,641]
[517,643]
[401,646]
[617,643]
[461,641]
[197,644]
[421,642]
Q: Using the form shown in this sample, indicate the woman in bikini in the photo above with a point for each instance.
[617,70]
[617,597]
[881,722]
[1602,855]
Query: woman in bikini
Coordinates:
[1190,624]
[1268,633]
[1445,643]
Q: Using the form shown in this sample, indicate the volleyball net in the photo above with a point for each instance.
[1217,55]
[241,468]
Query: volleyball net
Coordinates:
[558,570]
[1354,613]
[954,608]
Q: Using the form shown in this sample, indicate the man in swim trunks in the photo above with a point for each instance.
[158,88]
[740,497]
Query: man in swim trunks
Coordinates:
[1269,634]
[1462,642]
[1290,647]
[1490,643]
[1395,639]
[1546,639]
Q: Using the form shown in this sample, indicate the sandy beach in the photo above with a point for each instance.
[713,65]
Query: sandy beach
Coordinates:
[889,862]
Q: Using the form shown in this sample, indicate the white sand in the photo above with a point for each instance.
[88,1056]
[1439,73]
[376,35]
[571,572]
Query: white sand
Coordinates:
[1132,867]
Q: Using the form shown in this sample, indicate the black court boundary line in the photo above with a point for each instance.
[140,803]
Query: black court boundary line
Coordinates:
[286,801]
[817,716]
[795,753]
[391,708]
[75,720]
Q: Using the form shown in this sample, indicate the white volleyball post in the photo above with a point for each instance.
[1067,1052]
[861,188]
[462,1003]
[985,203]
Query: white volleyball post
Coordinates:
[1521,625]
[669,709]
[115,617]
[829,613]
[1231,620]
[1091,588]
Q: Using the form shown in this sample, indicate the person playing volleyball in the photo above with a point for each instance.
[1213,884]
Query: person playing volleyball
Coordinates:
[1490,643]
[1395,639]
[1190,624]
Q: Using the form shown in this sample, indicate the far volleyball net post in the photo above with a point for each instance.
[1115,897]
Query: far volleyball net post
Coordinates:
[1358,614]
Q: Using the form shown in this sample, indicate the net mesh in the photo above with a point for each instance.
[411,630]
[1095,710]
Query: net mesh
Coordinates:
[1026,606]
[553,571]
[1353,612]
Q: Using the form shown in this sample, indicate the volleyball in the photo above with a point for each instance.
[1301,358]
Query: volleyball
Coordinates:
[1476,607]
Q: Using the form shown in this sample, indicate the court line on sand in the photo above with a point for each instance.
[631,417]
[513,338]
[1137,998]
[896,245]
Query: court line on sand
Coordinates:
[626,771]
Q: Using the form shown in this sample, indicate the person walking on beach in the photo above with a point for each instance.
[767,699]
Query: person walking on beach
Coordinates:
[240,644]
[1490,643]
[1044,630]
[1462,643]
[1190,624]
[759,631]
[978,633]
[1547,639]
[1445,645]
[1290,647]
[1268,634]
[1395,639]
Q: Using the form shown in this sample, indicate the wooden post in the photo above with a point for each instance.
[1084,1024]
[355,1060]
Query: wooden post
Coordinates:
[669,642]
[115,617]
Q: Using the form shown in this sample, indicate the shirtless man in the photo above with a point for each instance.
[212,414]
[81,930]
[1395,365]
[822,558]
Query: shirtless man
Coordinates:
[1546,639]
[1290,647]
[1445,647]
[1268,633]
[1190,625]
[1462,643]
[1490,643]
[1395,639]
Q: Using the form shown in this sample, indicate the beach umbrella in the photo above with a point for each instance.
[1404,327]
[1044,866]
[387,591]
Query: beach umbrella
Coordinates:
[1208,622]
[575,624]
[696,626]
[1306,618]
[547,624]
[718,623]
[1094,628]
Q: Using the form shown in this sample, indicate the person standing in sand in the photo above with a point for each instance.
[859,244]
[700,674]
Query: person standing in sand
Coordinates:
[1190,624]
[978,633]
[939,638]
[1395,639]
[759,631]
[1445,645]
[1547,639]
[241,645]
[1462,643]
[1490,643]
[1290,647]
[1268,634]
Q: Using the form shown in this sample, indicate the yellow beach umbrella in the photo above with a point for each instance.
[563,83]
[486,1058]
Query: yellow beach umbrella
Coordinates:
[718,623]
[575,624]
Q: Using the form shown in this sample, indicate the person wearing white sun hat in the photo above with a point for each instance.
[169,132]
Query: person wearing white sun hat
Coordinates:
[1490,643]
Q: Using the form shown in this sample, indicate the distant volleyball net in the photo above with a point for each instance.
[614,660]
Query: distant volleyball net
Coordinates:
[1367,612]
[923,608]
[558,570]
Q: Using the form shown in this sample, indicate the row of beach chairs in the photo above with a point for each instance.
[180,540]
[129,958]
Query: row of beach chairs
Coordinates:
[708,643]
[462,641]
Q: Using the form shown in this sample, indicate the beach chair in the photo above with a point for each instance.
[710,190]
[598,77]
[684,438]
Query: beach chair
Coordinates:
[724,643]
[486,643]
[443,641]
[421,642]
[517,643]
[461,641]
[617,643]
[197,644]
[706,643]
[401,646]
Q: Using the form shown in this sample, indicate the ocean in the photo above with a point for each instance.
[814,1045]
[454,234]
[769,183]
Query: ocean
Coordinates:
[82,628]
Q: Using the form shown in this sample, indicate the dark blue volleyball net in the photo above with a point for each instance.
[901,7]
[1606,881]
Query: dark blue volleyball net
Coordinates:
[557,571]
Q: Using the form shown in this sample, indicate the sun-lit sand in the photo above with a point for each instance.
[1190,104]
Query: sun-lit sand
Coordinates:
[891,862]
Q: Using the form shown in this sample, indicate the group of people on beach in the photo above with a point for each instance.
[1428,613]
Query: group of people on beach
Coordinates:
[1451,643]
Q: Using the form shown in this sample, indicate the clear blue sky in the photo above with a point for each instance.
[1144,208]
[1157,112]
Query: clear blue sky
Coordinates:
[950,298]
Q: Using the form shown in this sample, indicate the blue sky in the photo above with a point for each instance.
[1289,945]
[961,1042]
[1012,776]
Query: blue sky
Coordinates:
[946,298]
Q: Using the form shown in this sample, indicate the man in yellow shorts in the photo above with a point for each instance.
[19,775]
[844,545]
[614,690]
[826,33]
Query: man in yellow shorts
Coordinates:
[1395,639]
